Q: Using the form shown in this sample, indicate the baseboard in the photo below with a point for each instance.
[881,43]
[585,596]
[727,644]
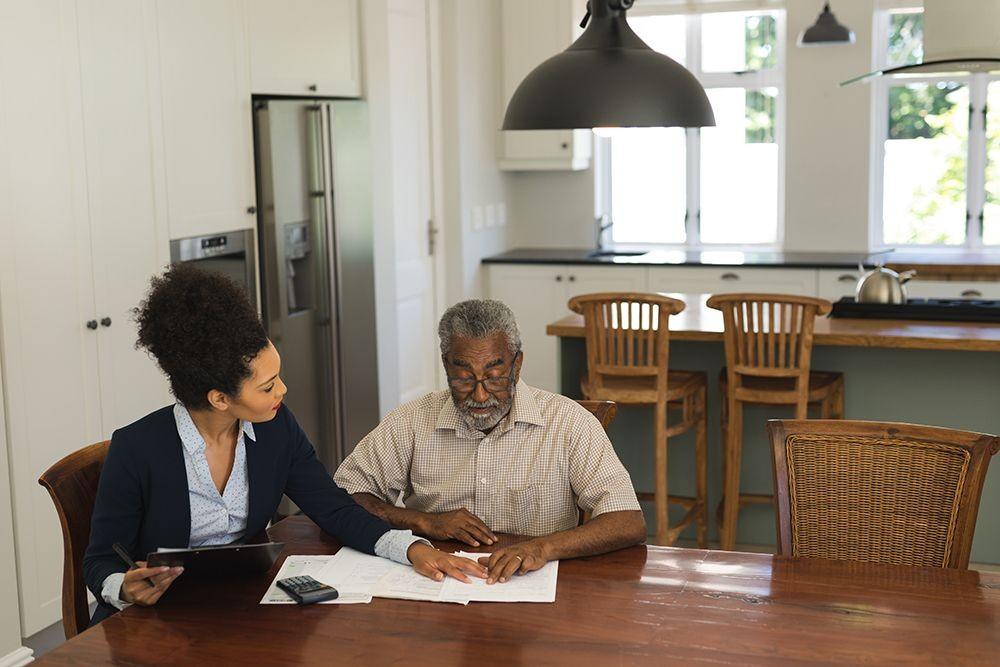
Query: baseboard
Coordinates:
[19,656]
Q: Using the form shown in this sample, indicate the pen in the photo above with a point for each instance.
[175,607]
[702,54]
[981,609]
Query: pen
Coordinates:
[128,560]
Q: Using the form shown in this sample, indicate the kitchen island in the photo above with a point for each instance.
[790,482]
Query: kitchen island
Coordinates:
[937,373]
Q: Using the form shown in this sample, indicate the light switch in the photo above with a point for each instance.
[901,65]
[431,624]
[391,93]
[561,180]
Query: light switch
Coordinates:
[477,217]
[491,215]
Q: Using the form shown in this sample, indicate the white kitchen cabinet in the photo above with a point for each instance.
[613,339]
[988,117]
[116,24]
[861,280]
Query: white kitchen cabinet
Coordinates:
[834,284]
[301,47]
[538,296]
[718,280]
[532,32]
[78,241]
[203,89]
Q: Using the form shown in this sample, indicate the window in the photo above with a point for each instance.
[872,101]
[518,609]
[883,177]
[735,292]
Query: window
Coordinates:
[936,149]
[708,186]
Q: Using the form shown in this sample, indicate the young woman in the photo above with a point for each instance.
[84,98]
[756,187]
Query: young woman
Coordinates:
[212,468]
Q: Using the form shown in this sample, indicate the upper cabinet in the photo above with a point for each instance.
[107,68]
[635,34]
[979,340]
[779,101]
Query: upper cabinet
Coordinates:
[207,139]
[532,32]
[303,47]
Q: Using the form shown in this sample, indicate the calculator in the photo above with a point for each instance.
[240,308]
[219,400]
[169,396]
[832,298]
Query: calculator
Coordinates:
[306,590]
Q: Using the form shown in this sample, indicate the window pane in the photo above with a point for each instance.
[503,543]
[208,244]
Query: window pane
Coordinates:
[738,42]
[665,34]
[906,38]
[991,212]
[648,185]
[923,197]
[739,168]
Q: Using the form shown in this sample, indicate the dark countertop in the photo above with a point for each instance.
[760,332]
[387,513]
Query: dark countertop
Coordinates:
[805,260]
[953,264]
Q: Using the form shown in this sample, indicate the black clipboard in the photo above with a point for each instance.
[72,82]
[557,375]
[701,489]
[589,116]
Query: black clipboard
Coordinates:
[219,561]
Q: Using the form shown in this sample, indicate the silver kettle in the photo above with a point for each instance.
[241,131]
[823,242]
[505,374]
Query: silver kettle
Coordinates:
[882,285]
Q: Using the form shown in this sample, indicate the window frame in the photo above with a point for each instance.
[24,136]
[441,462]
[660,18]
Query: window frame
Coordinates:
[976,157]
[774,78]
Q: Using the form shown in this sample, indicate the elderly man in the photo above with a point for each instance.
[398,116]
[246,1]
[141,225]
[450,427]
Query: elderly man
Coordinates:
[493,455]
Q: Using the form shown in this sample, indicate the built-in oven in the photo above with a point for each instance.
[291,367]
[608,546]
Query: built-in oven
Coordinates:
[230,253]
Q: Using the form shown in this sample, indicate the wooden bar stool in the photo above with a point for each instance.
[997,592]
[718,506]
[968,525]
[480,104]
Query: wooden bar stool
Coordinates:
[768,340]
[627,362]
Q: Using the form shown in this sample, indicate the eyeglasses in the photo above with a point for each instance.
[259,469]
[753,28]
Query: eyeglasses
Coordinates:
[490,384]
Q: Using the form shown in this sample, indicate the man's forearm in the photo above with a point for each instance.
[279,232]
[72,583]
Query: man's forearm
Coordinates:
[397,517]
[604,533]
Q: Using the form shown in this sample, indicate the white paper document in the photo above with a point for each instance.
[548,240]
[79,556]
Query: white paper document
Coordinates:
[295,566]
[537,586]
[359,577]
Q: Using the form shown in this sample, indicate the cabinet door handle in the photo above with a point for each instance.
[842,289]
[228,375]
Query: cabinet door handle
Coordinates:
[558,279]
[847,278]
[251,209]
[105,321]
[572,279]
[564,145]
[730,276]
[972,293]
[312,87]
[91,324]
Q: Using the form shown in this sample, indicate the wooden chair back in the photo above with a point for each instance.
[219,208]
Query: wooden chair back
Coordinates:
[72,484]
[605,412]
[770,336]
[877,491]
[627,334]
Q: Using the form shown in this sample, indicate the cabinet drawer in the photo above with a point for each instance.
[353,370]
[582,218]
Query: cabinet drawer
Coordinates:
[834,284]
[718,280]
[951,289]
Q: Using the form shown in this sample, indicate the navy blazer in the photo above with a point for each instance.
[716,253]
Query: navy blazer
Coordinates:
[143,502]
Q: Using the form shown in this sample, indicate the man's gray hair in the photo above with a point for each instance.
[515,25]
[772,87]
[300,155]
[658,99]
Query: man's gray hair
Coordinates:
[479,318]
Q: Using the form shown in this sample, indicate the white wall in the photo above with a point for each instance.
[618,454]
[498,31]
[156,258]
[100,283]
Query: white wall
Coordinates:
[470,110]
[375,77]
[10,618]
[827,152]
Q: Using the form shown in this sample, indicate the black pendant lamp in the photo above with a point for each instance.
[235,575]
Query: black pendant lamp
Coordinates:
[608,77]
[826,30]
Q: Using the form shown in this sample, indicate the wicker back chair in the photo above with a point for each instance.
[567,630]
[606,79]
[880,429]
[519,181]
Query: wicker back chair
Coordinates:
[72,484]
[878,492]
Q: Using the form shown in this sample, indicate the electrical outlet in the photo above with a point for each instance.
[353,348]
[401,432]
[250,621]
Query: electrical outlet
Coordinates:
[502,214]
[491,215]
[477,217]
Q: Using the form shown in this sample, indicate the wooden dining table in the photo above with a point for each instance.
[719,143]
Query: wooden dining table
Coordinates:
[641,605]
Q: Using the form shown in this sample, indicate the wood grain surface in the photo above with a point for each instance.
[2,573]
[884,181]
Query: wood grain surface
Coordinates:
[699,323]
[642,605]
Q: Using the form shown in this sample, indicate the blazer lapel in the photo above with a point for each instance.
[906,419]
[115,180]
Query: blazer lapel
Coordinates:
[177,531]
[259,509]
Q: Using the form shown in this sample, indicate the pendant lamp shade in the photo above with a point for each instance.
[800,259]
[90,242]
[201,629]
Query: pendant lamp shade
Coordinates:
[608,77]
[826,30]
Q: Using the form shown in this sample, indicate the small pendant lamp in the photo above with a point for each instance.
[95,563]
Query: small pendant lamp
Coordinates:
[826,30]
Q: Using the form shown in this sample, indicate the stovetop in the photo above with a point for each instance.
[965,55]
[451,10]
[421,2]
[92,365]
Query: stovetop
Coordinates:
[949,310]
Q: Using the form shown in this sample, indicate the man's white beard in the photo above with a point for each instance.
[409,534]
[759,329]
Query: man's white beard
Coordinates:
[490,419]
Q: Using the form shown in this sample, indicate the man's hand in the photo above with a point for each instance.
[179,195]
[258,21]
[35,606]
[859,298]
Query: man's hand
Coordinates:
[519,558]
[460,524]
[435,564]
[136,588]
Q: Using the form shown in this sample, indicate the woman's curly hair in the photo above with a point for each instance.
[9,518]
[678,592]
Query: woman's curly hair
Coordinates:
[202,330]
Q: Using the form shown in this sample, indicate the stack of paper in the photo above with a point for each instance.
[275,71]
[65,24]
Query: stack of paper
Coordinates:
[359,577]
[295,566]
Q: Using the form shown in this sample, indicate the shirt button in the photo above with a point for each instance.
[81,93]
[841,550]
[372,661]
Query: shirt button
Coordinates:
[482,481]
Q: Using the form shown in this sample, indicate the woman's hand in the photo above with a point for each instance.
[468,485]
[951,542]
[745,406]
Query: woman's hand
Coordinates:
[519,558]
[435,564]
[136,584]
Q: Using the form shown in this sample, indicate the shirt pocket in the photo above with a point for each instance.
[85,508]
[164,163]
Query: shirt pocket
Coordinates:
[524,509]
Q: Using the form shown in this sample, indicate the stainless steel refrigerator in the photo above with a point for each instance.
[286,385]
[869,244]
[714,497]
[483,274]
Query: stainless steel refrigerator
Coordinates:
[316,264]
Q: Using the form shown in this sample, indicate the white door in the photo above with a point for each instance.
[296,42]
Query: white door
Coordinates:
[129,241]
[409,108]
[46,290]
[207,140]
